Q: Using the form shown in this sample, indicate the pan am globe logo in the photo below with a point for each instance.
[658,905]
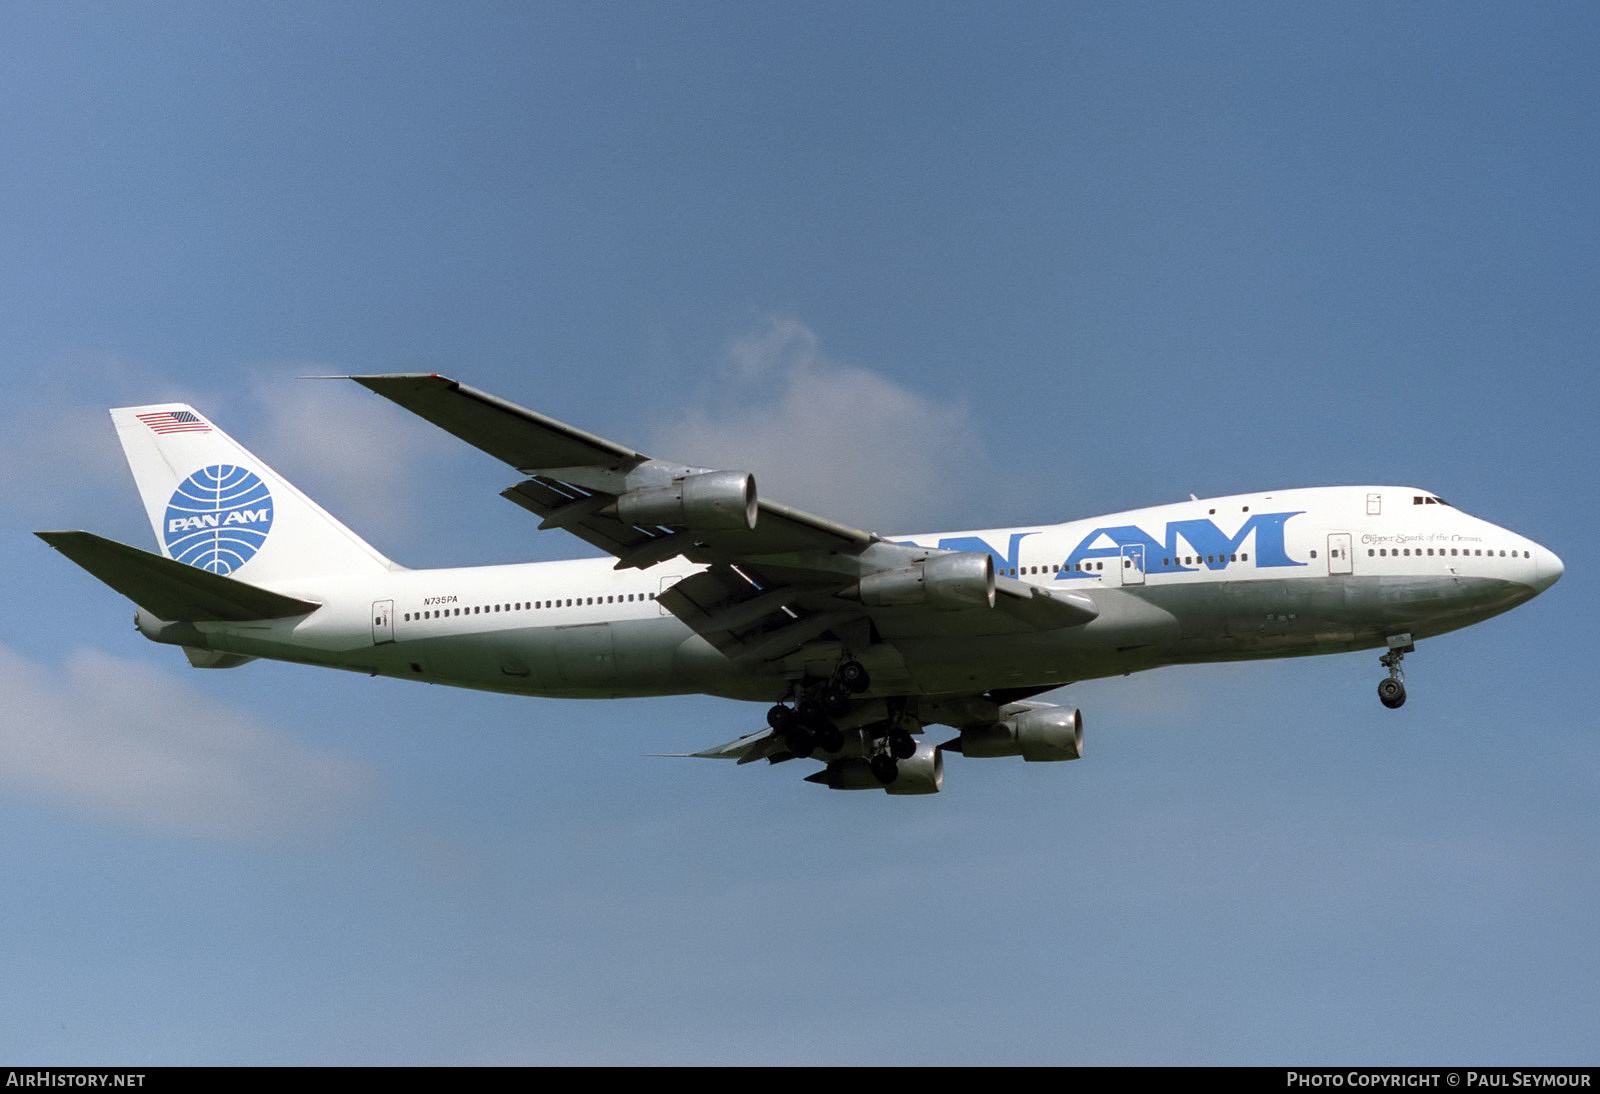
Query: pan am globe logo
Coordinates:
[218,518]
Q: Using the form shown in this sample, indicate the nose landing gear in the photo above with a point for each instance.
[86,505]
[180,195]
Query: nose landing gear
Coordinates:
[1392,692]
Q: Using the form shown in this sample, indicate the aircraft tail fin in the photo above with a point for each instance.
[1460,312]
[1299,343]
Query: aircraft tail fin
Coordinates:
[217,507]
[171,590]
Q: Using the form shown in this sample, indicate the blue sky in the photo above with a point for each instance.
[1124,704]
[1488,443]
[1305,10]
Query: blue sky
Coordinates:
[919,266]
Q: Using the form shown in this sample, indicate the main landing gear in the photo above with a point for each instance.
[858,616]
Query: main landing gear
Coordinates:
[809,724]
[893,747]
[1392,692]
[805,728]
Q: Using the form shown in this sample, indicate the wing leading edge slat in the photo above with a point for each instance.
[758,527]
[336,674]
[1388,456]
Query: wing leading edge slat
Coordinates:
[521,437]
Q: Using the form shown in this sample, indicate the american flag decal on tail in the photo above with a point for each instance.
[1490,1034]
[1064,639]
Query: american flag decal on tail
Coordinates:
[174,421]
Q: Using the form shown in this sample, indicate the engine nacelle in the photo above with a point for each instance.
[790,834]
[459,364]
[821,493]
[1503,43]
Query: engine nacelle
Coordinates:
[920,773]
[848,774]
[709,501]
[1046,733]
[961,579]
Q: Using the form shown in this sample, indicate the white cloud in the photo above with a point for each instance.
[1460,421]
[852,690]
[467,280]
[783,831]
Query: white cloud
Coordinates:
[121,741]
[58,450]
[841,441]
[360,454]
[45,449]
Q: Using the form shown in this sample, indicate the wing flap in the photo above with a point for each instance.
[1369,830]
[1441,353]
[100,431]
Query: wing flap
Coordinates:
[569,508]
[172,590]
[749,622]
[1040,608]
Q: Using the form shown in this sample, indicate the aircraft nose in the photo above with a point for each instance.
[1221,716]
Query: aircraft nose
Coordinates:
[1547,568]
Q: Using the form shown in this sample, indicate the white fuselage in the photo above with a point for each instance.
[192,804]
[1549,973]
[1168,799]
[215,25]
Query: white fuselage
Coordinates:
[1275,574]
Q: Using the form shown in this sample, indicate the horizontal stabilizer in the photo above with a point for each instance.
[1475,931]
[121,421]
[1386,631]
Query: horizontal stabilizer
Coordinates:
[172,590]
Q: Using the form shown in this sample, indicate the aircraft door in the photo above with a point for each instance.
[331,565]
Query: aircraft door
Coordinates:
[667,583]
[382,622]
[1339,556]
[1133,564]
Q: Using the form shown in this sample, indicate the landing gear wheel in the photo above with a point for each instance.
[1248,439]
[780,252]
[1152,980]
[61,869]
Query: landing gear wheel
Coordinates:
[884,769]
[901,745]
[810,713]
[781,719]
[800,741]
[830,739]
[853,676]
[1392,693]
[836,702]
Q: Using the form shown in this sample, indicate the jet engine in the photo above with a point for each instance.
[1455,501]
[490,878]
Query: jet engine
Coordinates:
[1044,733]
[920,773]
[706,501]
[960,579]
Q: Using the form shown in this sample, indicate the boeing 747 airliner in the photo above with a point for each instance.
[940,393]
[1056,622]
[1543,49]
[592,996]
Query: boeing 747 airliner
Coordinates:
[858,642]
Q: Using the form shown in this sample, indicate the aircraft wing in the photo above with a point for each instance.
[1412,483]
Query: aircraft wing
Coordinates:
[776,578]
[764,745]
[573,475]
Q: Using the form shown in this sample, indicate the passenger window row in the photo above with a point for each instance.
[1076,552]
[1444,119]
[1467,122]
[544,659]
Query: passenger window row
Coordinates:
[1026,571]
[1196,560]
[531,605]
[1470,552]
[1099,565]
